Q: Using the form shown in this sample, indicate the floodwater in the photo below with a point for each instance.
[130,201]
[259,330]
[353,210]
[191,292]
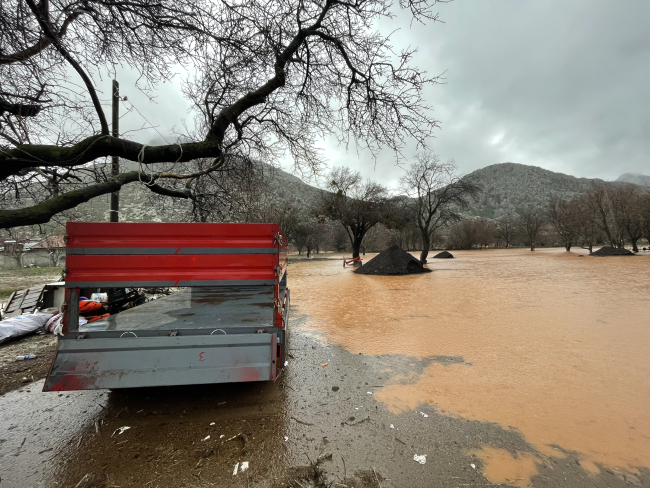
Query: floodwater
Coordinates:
[552,344]
[502,367]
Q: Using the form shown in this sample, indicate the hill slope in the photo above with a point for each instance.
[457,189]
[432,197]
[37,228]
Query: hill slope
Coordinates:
[508,186]
[636,178]
[136,201]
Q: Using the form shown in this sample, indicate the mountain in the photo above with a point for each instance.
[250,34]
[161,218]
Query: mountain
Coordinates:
[636,178]
[508,186]
[138,204]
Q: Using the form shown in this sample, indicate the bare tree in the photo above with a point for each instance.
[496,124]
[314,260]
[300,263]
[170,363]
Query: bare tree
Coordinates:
[267,79]
[238,192]
[644,203]
[607,205]
[562,216]
[530,221]
[469,233]
[309,235]
[630,213]
[357,204]
[506,228]
[434,193]
[484,232]
[588,231]
[462,235]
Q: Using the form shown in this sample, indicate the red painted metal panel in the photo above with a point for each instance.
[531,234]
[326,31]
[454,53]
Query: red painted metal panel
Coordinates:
[174,268]
[151,235]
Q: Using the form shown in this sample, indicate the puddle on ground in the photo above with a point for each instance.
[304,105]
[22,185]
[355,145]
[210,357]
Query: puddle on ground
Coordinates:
[554,345]
[501,467]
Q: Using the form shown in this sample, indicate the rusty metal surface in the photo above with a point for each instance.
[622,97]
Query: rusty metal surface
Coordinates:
[130,362]
[197,308]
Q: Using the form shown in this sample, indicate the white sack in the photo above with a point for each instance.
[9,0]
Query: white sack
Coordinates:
[21,325]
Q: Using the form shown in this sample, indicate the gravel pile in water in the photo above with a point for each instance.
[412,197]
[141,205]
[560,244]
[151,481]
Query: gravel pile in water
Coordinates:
[392,261]
[612,251]
[443,255]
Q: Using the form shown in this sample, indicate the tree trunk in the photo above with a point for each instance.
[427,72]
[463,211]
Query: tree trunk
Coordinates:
[567,246]
[634,246]
[532,247]
[426,244]
[356,245]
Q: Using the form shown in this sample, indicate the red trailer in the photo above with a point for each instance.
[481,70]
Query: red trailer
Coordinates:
[227,324]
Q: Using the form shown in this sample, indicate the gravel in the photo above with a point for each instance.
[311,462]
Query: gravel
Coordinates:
[392,261]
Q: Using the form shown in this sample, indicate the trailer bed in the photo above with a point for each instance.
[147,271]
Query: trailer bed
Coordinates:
[228,324]
[196,308]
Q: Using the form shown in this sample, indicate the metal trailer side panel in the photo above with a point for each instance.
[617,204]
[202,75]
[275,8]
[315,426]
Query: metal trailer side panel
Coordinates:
[184,255]
[130,362]
[102,235]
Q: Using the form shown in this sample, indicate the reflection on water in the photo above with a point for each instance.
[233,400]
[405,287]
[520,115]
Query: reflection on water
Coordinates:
[554,344]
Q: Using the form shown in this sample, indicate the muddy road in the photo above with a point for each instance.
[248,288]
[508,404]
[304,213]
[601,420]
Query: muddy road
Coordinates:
[366,401]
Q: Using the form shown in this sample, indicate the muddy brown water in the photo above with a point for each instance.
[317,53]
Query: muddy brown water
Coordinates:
[554,344]
[501,367]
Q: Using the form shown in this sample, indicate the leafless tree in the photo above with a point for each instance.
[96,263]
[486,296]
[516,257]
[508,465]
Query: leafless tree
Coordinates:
[435,194]
[606,205]
[630,212]
[357,204]
[505,229]
[562,216]
[462,235]
[237,192]
[377,239]
[309,235]
[530,221]
[270,78]
[407,236]
[469,233]
[587,230]
[484,232]
[645,214]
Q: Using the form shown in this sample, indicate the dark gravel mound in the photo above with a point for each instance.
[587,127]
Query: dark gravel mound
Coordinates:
[392,261]
[612,251]
[443,255]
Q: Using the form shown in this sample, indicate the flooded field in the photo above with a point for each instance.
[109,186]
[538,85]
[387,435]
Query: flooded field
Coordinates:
[549,343]
[501,368]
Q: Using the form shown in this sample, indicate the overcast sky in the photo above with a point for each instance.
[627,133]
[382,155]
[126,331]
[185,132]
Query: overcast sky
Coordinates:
[564,85]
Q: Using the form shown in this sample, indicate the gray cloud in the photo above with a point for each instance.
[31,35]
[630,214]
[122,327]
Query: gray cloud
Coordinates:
[561,85]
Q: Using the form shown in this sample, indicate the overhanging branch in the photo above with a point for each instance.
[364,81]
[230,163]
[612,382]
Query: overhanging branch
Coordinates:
[20,109]
[44,211]
[20,158]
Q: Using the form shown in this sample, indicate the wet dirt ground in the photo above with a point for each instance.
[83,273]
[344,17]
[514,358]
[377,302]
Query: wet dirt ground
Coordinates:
[354,406]
[14,374]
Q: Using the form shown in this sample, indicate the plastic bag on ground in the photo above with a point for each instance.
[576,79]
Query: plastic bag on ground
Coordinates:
[21,325]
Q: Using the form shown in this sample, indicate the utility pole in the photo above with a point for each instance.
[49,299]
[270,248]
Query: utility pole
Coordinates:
[114,208]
